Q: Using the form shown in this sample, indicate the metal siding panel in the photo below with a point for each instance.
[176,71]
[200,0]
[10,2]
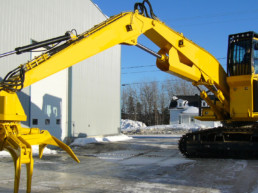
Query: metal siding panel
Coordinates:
[96,94]
[24,20]
[49,100]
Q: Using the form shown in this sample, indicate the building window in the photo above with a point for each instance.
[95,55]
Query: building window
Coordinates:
[192,120]
[58,121]
[204,104]
[47,121]
[34,121]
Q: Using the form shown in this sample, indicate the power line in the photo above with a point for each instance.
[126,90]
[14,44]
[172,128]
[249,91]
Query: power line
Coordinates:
[146,66]
[141,72]
[128,84]
[143,66]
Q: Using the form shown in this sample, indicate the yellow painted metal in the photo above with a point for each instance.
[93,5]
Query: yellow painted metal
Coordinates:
[218,112]
[11,108]
[18,141]
[241,98]
[179,56]
[96,40]
[186,60]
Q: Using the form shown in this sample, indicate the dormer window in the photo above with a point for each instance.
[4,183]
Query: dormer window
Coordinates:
[182,103]
[204,104]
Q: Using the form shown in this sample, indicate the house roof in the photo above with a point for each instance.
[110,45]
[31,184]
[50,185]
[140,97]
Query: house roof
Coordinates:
[192,100]
[191,110]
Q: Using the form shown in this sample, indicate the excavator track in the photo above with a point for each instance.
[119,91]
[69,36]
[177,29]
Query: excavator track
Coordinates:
[222,142]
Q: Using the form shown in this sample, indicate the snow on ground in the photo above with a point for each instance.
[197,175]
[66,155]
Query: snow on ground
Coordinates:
[191,110]
[129,125]
[85,141]
[35,150]
[126,125]
[192,126]
[77,142]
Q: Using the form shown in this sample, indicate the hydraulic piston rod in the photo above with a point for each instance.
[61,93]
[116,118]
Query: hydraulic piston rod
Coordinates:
[148,50]
[7,54]
[33,46]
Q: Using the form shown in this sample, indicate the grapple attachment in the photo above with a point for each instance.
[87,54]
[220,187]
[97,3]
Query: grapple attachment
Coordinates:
[18,141]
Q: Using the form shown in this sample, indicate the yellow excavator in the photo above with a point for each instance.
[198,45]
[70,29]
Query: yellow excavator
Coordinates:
[235,91]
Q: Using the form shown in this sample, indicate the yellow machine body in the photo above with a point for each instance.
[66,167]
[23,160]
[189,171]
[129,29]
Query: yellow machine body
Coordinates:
[178,56]
[11,108]
[242,97]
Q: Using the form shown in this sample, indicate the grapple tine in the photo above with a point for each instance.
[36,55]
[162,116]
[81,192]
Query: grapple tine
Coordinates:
[29,167]
[22,154]
[44,138]
[17,168]
[66,148]
[41,149]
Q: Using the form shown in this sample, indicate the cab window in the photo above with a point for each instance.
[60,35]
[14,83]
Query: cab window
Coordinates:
[239,62]
[256,57]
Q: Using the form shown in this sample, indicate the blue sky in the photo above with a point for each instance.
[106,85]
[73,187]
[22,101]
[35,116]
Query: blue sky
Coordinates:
[207,23]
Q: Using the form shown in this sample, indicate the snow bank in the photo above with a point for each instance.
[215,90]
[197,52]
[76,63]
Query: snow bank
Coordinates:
[184,126]
[127,124]
[35,150]
[4,154]
[46,151]
[85,141]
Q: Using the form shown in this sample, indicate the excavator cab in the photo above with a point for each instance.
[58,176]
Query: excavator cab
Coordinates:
[242,69]
[243,54]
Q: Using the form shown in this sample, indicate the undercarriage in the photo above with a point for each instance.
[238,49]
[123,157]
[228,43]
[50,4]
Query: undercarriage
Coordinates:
[239,142]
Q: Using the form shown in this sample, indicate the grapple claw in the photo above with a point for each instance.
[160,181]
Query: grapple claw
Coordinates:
[18,141]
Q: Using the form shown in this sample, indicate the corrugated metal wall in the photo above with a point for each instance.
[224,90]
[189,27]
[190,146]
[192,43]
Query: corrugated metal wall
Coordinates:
[26,20]
[96,95]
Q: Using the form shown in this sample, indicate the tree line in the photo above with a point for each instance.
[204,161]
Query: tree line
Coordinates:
[149,102]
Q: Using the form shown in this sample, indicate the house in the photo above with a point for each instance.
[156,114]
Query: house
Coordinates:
[184,109]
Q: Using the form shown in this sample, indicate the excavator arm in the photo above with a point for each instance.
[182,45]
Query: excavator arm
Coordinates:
[177,55]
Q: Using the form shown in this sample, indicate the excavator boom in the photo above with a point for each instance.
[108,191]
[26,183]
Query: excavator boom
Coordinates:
[178,55]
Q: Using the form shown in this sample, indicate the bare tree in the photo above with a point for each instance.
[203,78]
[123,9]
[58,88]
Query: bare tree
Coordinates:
[124,97]
[149,96]
[163,101]
[168,87]
[179,87]
[139,111]
[146,96]
[129,101]
[149,102]
[155,94]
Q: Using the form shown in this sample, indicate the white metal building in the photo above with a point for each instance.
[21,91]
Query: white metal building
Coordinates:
[84,99]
